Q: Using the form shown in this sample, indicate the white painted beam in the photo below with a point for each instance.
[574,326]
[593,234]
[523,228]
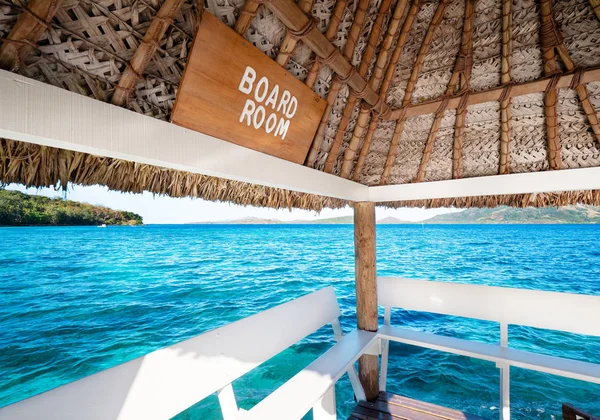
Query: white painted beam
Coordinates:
[38,113]
[532,182]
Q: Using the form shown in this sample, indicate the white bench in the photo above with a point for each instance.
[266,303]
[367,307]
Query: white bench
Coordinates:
[568,312]
[165,382]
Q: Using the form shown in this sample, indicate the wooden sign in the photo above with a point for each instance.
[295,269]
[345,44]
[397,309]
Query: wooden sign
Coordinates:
[233,91]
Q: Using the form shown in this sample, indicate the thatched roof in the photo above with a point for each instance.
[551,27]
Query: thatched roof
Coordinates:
[427,61]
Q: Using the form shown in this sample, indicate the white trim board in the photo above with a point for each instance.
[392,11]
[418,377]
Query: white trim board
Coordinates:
[523,183]
[39,113]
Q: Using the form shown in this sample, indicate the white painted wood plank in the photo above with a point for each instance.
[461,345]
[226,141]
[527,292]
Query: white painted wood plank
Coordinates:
[325,408]
[298,395]
[532,182]
[38,113]
[569,368]
[167,381]
[229,408]
[535,308]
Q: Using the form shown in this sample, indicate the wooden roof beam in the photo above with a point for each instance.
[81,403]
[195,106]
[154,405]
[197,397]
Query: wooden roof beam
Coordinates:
[596,6]
[550,38]
[435,22]
[289,43]
[242,24]
[378,73]
[580,88]
[142,56]
[336,85]
[383,70]
[462,71]
[330,34]
[505,112]
[494,94]
[30,26]
[353,99]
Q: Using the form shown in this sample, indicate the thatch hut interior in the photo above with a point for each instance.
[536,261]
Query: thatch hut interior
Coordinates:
[317,104]
[415,91]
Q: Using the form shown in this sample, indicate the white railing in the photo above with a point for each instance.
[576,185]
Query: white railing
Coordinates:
[568,312]
[165,382]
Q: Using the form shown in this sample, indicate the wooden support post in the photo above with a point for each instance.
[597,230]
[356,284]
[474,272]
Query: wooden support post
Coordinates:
[366,291]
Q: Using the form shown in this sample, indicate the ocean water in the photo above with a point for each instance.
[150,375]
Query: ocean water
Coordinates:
[77,300]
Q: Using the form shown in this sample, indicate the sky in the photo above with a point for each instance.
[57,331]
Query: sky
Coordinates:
[166,210]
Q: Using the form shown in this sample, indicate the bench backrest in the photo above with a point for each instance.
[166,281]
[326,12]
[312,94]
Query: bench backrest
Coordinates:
[534,308]
[165,382]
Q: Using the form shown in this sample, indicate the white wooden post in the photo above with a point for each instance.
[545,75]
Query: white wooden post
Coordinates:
[385,345]
[324,409]
[359,392]
[504,376]
[229,407]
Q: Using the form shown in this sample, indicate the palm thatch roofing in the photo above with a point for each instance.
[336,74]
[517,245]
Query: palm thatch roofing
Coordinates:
[470,88]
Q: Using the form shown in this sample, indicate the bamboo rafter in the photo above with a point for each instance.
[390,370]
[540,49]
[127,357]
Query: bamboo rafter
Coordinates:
[462,71]
[596,6]
[383,73]
[334,90]
[506,79]
[577,85]
[146,50]
[550,39]
[494,94]
[330,34]
[353,99]
[242,24]
[31,24]
[376,77]
[435,22]
[289,42]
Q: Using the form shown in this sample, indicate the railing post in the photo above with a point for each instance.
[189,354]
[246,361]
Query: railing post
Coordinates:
[385,351]
[504,376]
[366,291]
[325,407]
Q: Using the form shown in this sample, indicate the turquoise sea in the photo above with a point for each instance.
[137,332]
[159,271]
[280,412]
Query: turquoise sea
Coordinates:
[77,300]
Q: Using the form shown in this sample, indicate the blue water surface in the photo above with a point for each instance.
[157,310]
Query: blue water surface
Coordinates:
[77,300]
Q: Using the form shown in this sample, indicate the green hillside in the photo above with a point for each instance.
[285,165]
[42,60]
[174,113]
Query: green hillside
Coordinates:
[18,209]
[529,215]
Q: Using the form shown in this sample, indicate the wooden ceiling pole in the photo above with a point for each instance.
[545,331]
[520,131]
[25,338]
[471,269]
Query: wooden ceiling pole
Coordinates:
[462,71]
[383,70]
[353,99]
[550,38]
[30,26]
[142,56]
[506,80]
[337,83]
[289,42]
[242,24]
[375,81]
[365,261]
[331,34]
[435,22]
[494,94]
[596,6]
[580,88]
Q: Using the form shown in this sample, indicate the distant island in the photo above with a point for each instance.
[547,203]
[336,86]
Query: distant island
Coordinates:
[18,209]
[499,215]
